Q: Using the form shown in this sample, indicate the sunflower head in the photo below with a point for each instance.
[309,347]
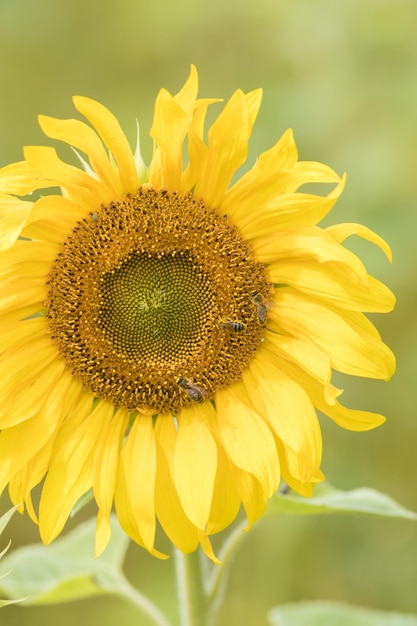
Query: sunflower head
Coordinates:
[168,335]
[168,300]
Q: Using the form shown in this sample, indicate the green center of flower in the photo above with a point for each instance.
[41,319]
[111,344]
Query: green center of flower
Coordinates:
[155,306]
[156,301]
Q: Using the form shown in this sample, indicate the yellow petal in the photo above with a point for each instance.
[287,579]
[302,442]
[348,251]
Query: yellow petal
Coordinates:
[254,100]
[287,212]
[14,292]
[275,173]
[251,493]
[358,321]
[31,259]
[106,459]
[19,370]
[282,156]
[71,472]
[169,511]
[18,179]
[304,489]
[303,378]
[187,94]
[124,510]
[351,419]
[14,214]
[32,473]
[53,218]
[246,438]
[172,118]
[351,351]
[82,188]
[29,476]
[136,480]
[15,335]
[103,532]
[305,355]
[82,137]
[333,284]
[195,463]
[197,148]
[328,404]
[23,272]
[291,415]
[20,312]
[29,401]
[13,288]
[166,431]
[108,127]
[20,443]
[228,145]
[207,547]
[226,502]
[105,469]
[307,244]
[341,231]
[314,172]
[168,130]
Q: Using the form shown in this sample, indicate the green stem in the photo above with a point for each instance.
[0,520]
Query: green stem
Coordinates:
[142,602]
[217,580]
[191,596]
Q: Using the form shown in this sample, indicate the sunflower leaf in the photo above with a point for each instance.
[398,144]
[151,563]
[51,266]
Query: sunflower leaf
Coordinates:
[65,570]
[330,613]
[330,500]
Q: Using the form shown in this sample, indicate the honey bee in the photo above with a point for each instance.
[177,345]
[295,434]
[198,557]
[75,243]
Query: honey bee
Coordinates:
[261,307]
[195,392]
[232,325]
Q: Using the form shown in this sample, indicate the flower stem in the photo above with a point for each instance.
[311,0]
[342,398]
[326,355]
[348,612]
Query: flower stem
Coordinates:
[142,603]
[191,596]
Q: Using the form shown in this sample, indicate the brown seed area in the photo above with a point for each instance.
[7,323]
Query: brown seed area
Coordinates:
[153,290]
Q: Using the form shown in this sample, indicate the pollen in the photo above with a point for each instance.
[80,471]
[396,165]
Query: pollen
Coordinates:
[152,290]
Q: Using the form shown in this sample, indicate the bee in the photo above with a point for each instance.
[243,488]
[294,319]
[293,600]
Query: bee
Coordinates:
[261,307]
[232,325]
[195,392]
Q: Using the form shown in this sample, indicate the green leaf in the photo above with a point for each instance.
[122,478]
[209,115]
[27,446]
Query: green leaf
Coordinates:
[65,570]
[331,613]
[330,500]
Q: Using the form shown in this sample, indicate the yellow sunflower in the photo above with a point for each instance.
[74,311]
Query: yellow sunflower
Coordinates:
[167,335]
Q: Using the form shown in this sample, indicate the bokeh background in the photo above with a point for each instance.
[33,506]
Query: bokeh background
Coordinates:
[344,76]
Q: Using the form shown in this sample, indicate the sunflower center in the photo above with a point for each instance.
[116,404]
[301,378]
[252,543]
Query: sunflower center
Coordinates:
[156,301]
[154,306]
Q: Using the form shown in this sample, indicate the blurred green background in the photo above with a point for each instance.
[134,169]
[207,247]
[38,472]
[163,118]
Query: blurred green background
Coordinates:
[344,76]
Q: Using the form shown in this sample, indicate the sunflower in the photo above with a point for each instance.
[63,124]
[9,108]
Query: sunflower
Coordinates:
[167,335]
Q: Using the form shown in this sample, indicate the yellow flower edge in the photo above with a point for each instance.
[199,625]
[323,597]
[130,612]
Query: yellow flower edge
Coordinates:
[192,453]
